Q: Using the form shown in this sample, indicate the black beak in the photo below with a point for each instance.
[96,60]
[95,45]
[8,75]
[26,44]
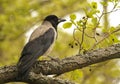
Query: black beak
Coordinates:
[61,20]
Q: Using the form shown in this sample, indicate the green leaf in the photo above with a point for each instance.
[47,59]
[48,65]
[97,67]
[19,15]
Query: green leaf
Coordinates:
[72,16]
[114,38]
[79,23]
[67,25]
[104,30]
[92,12]
[112,29]
[110,0]
[104,3]
[116,0]
[94,5]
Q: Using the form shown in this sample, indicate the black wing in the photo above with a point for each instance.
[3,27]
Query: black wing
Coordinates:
[33,50]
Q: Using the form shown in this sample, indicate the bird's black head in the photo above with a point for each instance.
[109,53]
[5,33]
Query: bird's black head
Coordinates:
[54,20]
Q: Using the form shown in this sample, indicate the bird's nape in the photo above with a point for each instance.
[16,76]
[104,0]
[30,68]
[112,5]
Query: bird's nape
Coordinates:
[54,20]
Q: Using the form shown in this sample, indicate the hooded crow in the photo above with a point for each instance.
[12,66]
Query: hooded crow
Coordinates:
[40,43]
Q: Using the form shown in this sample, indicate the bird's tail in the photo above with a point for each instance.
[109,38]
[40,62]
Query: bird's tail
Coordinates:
[24,66]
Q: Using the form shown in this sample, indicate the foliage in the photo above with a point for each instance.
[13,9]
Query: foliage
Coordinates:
[90,34]
[91,22]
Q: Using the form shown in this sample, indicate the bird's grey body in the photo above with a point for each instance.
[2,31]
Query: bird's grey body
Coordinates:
[43,28]
[40,44]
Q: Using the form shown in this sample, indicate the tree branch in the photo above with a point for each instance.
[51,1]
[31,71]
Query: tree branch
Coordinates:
[9,74]
[49,67]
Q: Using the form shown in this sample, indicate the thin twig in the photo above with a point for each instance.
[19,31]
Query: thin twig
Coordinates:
[106,36]
[83,33]
[81,30]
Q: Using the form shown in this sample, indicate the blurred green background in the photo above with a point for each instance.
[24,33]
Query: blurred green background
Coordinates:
[18,16]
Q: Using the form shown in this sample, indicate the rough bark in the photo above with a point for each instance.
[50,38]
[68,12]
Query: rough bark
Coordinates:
[49,67]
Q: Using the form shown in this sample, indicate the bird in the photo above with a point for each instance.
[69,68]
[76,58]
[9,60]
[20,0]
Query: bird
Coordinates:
[40,44]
